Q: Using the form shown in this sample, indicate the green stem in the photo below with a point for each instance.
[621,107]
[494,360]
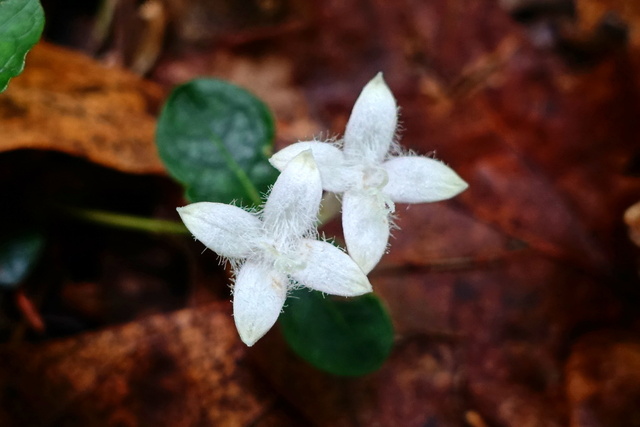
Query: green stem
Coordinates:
[104,19]
[131,222]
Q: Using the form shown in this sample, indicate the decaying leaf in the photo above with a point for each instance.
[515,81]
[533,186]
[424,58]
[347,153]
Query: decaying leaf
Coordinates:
[67,102]
[419,385]
[185,369]
[521,262]
[603,380]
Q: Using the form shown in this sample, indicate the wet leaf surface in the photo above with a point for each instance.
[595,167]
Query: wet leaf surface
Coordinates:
[214,138]
[350,337]
[21,24]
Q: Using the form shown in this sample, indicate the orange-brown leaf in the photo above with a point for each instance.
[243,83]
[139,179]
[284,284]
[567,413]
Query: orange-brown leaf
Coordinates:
[67,102]
[184,369]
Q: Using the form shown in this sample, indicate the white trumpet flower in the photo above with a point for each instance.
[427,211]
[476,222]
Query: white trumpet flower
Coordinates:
[370,178]
[276,249]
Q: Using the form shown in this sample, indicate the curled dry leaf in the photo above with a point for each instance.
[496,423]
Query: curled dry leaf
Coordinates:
[67,102]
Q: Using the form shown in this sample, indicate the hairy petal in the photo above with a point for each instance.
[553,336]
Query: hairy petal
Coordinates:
[414,179]
[328,269]
[229,231]
[372,124]
[292,207]
[328,157]
[258,296]
[365,221]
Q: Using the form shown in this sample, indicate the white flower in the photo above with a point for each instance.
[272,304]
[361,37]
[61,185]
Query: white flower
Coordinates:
[369,177]
[273,251]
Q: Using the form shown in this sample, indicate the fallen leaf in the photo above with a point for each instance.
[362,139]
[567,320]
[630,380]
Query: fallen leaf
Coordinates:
[184,369]
[529,256]
[418,386]
[65,101]
[603,380]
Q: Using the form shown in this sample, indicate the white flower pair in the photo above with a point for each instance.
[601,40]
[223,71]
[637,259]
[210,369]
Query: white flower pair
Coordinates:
[274,250]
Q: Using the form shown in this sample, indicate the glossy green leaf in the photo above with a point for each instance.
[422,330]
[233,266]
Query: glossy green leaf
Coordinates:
[18,255]
[21,24]
[215,138]
[342,336]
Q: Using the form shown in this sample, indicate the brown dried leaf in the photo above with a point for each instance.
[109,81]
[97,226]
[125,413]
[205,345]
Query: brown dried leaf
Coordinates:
[185,369]
[66,102]
[418,386]
[520,263]
[603,380]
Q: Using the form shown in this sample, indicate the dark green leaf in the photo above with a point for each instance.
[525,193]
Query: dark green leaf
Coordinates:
[343,336]
[21,24]
[215,139]
[18,255]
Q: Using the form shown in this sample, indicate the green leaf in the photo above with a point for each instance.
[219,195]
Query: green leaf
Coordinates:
[21,24]
[18,255]
[215,138]
[342,336]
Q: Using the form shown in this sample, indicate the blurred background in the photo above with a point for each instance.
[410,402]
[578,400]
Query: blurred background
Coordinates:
[515,304]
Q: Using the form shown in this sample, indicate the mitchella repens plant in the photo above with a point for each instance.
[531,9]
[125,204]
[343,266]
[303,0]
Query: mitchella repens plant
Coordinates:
[277,249]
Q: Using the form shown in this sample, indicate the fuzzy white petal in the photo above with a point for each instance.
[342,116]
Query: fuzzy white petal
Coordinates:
[328,157]
[414,179]
[227,230]
[292,207]
[258,296]
[365,223]
[372,125]
[328,269]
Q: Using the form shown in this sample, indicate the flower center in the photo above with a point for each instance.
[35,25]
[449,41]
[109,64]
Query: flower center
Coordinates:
[285,261]
[288,264]
[374,177]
